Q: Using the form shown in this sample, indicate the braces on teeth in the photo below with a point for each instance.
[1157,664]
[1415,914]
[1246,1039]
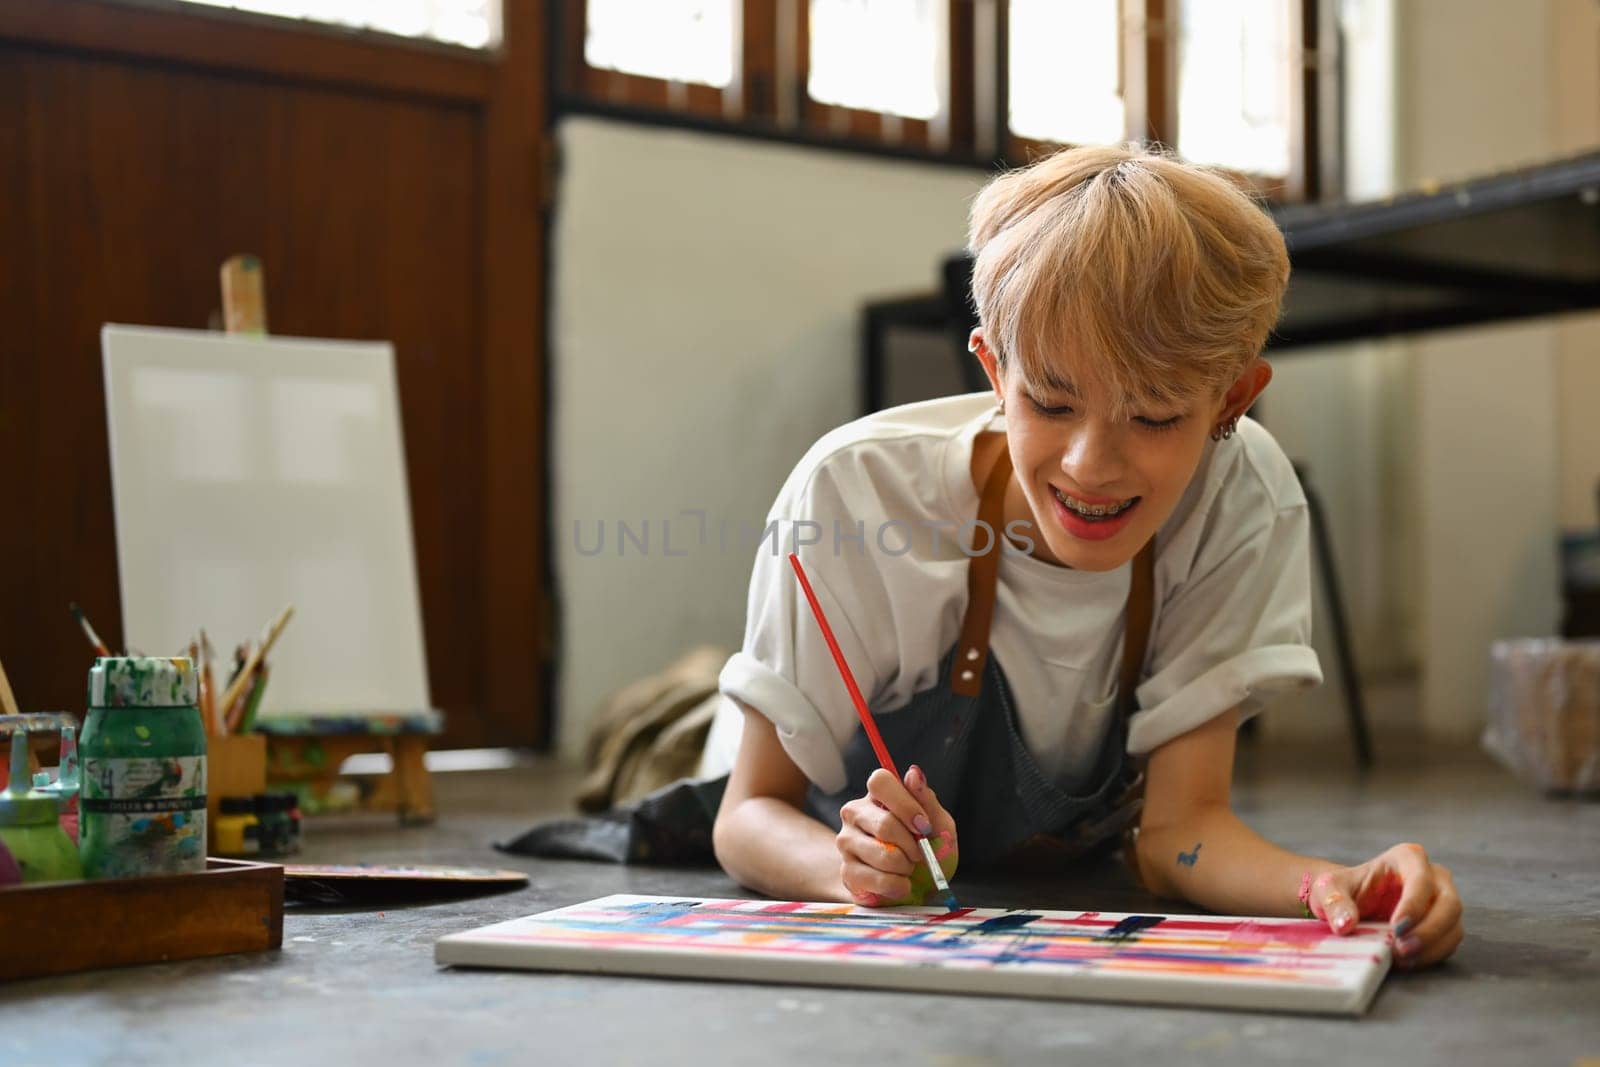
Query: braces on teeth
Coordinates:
[1091,510]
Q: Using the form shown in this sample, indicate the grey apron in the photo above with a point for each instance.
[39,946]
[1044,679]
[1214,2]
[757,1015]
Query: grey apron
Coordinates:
[963,732]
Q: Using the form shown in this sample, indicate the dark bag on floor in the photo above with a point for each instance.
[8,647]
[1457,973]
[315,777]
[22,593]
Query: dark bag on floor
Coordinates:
[670,826]
[644,746]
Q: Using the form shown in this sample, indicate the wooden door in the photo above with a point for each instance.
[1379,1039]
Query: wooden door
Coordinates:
[393,190]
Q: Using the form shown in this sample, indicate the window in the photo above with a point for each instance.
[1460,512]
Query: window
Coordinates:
[1065,71]
[877,55]
[1234,81]
[462,22]
[675,40]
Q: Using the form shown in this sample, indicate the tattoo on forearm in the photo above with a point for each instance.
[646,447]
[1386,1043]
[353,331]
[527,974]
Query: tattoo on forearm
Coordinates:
[1189,859]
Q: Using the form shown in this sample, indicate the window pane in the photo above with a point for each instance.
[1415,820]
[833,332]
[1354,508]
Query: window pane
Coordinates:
[1066,67]
[464,22]
[878,55]
[1234,66]
[679,40]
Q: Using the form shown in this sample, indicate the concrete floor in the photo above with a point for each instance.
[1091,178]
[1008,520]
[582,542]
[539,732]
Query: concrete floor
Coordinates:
[361,987]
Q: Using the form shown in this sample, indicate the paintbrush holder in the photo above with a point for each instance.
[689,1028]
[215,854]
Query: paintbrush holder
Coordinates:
[238,767]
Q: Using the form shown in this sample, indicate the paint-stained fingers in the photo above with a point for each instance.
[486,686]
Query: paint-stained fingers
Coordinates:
[945,847]
[862,876]
[1421,943]
[1418,887]
[922,790]
[896,848]
[1331,901]
[850,875]
[892,795]
[1433,952]
[892,847]
[1379,892]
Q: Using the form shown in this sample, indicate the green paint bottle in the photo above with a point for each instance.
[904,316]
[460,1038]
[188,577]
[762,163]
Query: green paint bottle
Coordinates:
[143,767]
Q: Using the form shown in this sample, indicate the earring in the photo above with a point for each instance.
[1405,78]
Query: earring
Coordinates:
[1225,429]
[1002,405]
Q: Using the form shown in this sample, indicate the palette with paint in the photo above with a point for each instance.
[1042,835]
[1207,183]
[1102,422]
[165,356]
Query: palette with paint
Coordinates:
[324,883]
[1211,961]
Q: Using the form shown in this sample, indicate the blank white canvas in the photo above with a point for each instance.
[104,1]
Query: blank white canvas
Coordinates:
[250,473]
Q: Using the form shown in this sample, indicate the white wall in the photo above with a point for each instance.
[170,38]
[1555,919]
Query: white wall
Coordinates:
[1475,95]
[1576,33]
[1408,441]
[1343,412]
[705,308]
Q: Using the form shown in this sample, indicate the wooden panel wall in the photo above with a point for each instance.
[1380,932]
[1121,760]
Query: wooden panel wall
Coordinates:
[128,173]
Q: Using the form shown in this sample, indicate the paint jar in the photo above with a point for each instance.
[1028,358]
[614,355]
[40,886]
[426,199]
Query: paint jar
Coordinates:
[65,786]
[30,826]
[276,813]
[237,832]
[143,768]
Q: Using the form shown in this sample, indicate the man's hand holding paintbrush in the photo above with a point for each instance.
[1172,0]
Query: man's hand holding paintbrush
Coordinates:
[887,832]
[883,861]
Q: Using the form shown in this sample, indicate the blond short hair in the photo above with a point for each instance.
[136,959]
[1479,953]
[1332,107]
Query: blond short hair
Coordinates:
[1125,270]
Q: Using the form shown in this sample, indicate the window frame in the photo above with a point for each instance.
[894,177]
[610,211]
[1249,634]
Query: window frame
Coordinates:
[221,38]
[768,97]
[1150,96]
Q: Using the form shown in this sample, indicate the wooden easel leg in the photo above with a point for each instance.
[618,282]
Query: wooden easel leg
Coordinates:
[415,787]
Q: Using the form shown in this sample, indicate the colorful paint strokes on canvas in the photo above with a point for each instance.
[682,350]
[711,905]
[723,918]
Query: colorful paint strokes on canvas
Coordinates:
[1273,964]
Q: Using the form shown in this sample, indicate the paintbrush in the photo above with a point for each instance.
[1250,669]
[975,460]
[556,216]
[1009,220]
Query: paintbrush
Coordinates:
[8,699]
[252,701]
[193,652]
[208,686]
[241,683]
[869,725]
[94,638]
[241,654]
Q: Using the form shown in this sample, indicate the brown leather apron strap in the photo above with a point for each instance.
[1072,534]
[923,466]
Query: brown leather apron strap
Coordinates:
[1136,631]
[972,648]
[1135,641]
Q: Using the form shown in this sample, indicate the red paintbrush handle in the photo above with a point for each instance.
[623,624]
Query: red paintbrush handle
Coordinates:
[844,669]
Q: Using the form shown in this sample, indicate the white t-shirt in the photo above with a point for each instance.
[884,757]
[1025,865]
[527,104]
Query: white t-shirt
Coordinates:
[1232,594]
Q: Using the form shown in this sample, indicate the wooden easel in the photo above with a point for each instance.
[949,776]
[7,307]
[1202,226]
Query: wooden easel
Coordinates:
[310,751]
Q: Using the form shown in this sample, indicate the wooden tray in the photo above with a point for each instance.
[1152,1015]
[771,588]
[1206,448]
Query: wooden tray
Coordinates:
[61,927]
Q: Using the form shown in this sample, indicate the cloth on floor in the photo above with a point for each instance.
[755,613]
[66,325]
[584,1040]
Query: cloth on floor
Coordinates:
[670,826]
[650,733]
[645,744]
